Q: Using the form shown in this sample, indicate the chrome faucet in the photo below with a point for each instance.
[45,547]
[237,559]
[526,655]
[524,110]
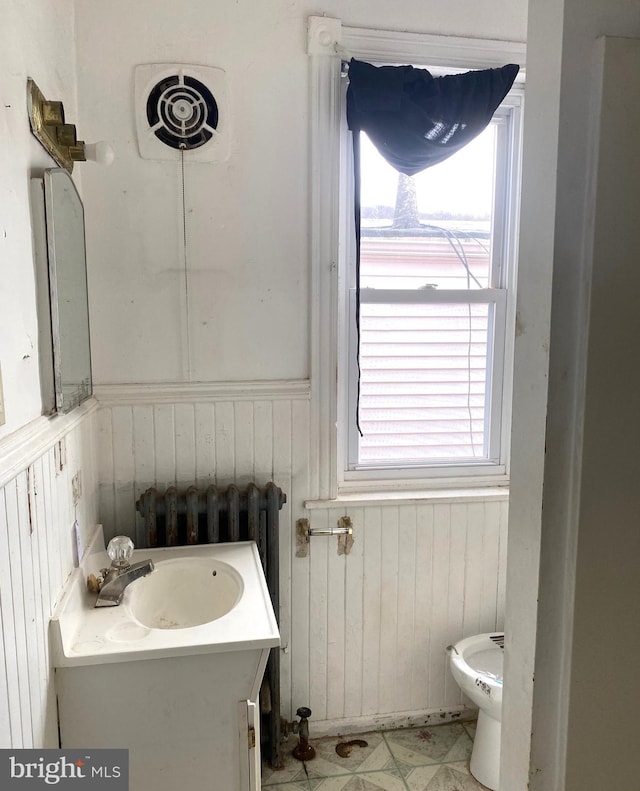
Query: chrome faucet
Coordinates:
[111,583]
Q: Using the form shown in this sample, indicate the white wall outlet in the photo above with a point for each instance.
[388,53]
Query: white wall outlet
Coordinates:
[2,414]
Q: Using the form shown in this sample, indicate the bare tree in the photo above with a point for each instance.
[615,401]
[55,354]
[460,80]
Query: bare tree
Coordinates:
[406,210]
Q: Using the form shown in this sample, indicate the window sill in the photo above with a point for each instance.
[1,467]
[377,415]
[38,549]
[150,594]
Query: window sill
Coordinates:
[412,497]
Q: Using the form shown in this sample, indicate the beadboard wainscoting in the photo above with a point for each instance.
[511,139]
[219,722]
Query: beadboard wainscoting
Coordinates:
[370,629]
[165,435]
[363,634]
[170,435]
[47,481]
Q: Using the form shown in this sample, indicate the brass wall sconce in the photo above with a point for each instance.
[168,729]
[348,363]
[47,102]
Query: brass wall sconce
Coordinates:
[49,127]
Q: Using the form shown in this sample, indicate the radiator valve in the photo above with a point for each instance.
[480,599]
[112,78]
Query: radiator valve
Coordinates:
[303,751]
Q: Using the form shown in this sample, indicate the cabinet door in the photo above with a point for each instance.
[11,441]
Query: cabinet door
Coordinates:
[249,723]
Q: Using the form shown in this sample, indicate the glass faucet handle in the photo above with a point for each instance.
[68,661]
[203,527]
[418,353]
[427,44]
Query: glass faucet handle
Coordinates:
[119,550]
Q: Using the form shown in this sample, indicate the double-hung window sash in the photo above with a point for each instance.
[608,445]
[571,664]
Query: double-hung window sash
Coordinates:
[426,358]
[431,372]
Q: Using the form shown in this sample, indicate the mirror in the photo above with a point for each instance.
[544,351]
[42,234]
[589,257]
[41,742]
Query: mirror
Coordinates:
[65,357]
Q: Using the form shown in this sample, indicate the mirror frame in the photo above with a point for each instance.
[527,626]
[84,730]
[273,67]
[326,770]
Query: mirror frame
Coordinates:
[55,396]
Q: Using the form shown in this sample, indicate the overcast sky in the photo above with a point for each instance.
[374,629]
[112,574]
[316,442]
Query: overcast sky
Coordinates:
[462,184]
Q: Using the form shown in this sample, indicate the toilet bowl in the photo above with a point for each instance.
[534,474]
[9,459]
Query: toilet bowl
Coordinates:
[476,664]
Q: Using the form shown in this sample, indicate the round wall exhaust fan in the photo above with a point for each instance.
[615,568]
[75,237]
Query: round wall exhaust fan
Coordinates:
[181,110]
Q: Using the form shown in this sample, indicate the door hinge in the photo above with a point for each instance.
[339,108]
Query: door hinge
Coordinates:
[251,734]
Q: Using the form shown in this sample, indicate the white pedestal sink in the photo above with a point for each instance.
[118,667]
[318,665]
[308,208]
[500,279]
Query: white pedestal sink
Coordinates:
[173,672]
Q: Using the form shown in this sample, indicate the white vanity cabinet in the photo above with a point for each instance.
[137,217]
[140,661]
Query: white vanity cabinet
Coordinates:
[183,701]
[190,723]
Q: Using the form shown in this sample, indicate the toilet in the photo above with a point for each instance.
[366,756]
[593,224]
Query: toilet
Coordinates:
[476,664]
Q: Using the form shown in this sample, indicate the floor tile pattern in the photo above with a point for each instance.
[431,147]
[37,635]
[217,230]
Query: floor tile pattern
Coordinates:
[433,758]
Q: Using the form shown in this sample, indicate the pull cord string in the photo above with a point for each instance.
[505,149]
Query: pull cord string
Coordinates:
[185,261]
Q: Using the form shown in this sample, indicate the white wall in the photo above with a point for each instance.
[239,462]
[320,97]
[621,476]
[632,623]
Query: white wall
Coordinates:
[38,457]
[529,438]
[36,40]
[587,633]
[607,583]
[247,321]
[248,231]
[363,634]
[134,247]
[37,552]
[248,245]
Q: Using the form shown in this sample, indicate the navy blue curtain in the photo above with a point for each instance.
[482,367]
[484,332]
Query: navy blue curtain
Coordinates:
[416,120]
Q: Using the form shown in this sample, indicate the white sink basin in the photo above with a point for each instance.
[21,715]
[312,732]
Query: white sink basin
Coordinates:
[182,593]
[207,598]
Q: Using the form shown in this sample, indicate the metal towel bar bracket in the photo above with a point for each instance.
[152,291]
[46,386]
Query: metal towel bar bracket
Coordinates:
[304,532]
[330,531]
[343,528]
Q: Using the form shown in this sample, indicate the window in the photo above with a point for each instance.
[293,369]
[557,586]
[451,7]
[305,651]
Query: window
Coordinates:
[437,276]
[437,297]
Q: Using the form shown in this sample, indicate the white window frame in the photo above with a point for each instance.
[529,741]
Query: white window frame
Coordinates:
[328,44]
[500,295]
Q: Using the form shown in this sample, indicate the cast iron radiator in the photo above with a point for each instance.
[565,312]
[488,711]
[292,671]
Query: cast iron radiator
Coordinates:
[212,515]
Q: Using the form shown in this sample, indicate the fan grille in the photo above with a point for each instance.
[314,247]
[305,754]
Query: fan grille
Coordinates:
[182,112]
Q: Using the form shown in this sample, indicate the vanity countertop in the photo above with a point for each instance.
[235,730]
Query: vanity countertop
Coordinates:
[82,634]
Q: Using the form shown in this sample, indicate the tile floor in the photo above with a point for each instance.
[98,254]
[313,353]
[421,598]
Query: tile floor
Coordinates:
[434,758]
